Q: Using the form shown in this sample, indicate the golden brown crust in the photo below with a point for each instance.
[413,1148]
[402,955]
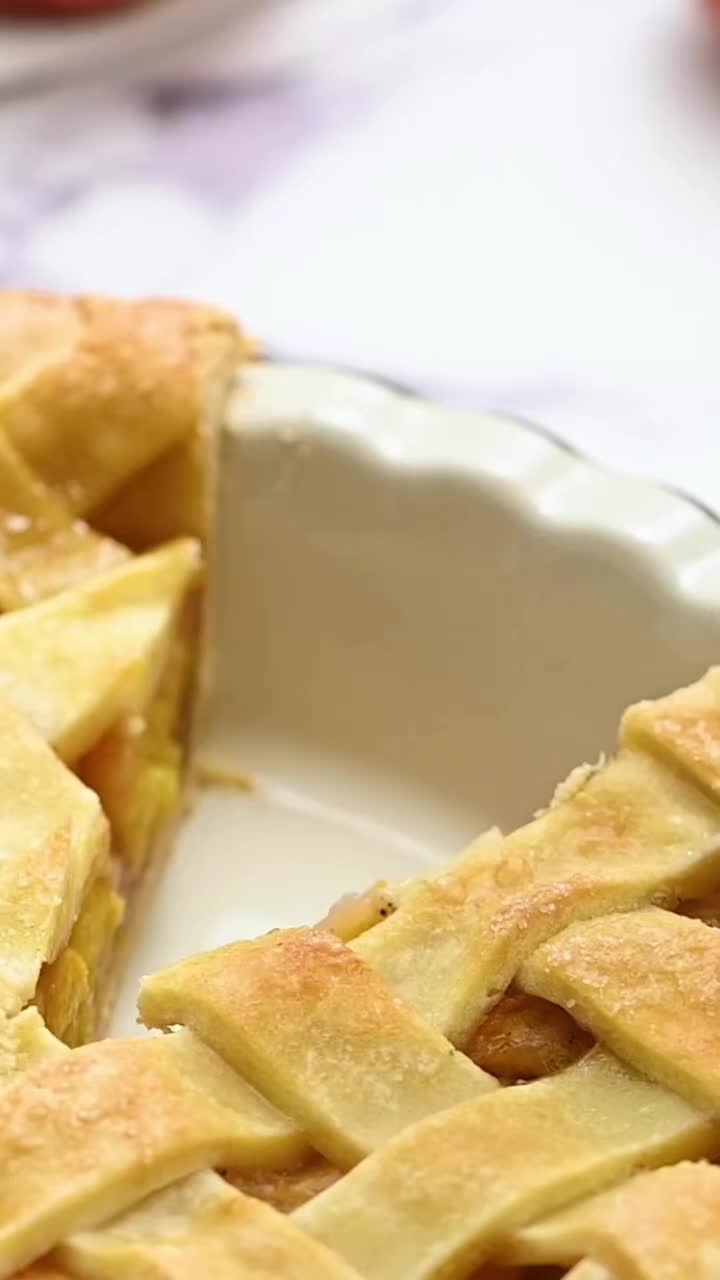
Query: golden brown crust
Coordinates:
[43,547]
[92,391]
[86,1135]
[77,662]
[176,493]
[662,1226]
[634,833]
[340,1054]
[646,984]
[201,1227]
[439,1197]
[683,729]
[53,839]
[25,1041]
[560,1239]
[95,396]
[109,410]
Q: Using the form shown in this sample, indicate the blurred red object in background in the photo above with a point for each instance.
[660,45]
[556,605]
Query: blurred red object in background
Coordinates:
[60,8]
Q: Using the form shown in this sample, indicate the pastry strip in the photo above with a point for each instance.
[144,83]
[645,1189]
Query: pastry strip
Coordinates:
[113,1122]
[683,729]
[647,985]
[633,833]
[201,1227]
[53,838]
[43,547]
[437,1199]
[25,1041]
[77,662]
[563,1238]
[662,1226]
[93,391]
[197,1226]
[303,1018]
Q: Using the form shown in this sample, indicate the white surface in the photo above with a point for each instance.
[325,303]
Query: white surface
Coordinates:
[512,204]
[425,619]
[542,230]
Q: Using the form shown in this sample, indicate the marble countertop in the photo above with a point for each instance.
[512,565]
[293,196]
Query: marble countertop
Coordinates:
[512,206]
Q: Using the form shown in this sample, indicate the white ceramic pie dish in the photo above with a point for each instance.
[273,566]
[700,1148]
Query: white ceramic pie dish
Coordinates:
[425,619]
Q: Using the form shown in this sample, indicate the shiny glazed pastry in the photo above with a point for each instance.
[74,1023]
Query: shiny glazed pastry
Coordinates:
[506,1069]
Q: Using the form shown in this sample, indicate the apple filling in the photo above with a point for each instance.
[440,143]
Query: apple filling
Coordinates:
[71,989]
[136,769]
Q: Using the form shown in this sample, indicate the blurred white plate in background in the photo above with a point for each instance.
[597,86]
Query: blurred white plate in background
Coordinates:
[259,37]
[44,54]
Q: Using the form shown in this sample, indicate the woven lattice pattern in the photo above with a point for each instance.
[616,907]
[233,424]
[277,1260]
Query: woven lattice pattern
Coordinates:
[300,1051]
[348,1102]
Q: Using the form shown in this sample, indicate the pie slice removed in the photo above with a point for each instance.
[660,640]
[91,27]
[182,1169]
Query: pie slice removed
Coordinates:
[505,1066]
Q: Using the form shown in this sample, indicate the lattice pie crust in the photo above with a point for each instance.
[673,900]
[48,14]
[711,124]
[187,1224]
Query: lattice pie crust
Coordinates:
[321,1106]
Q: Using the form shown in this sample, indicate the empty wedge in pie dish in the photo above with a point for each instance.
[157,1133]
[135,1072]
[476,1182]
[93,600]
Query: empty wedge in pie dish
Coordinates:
[506,1063]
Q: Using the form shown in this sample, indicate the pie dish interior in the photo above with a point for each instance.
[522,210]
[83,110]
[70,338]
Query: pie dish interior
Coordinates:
[503,1068]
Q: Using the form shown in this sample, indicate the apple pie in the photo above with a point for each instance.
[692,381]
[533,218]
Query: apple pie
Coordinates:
[108,417]
[507,1069]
